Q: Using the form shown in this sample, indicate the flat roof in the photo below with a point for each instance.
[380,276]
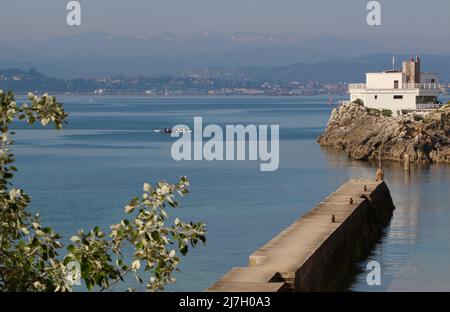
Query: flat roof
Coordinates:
[400,72]
[386,72]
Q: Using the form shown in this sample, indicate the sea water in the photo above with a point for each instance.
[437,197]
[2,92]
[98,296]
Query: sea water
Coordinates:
[84,175]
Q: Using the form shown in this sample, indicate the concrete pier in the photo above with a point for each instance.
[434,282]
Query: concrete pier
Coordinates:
[317,251]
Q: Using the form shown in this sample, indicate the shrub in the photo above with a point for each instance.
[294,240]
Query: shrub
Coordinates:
[358,102]
[417,117]
[373,112]
[386,112]
[30,257]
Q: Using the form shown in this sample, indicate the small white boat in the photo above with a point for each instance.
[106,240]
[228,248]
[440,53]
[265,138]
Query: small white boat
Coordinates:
[173,130]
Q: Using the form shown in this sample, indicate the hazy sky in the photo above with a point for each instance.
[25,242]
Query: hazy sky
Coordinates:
[415,22]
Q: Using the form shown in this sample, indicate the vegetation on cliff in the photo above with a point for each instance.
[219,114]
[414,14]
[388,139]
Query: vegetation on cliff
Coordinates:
[362,133]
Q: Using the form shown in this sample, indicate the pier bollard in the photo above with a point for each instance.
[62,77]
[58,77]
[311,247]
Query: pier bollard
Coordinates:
[351,201]
[333,218]
[365,188]
[379,176]
[407,163]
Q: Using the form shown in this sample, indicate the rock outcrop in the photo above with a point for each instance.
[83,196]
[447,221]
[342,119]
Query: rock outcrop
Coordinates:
[362,132]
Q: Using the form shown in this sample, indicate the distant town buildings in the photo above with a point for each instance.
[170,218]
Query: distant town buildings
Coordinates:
[195,83]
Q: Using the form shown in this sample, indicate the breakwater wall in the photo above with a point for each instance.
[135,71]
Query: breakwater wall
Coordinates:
[318,251]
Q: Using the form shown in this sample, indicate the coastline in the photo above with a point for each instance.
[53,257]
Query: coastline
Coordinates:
[365,134]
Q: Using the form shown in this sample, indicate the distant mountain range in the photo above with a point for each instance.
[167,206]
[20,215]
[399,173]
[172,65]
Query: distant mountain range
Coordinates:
[240,56]
[98,54]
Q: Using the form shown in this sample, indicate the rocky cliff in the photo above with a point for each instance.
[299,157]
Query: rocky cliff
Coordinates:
[362,132]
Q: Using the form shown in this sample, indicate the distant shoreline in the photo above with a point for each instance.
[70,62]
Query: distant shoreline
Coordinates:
[183,95]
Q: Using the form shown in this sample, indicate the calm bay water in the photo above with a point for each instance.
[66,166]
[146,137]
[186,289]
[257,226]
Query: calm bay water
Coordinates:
[84,175]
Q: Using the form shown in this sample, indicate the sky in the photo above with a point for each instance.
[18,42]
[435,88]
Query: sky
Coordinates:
[425,23]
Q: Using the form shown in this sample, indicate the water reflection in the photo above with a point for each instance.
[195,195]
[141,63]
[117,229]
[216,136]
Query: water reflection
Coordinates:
[414,253]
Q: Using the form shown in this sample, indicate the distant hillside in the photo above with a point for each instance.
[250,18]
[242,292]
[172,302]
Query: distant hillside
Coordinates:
[31,80]
[337,70]
[221,77]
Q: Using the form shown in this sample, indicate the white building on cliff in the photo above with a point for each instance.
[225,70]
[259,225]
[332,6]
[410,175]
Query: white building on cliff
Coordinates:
[399,91]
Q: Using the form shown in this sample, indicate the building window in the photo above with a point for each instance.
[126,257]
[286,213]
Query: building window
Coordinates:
[398,97]
[395,84]
[376,97]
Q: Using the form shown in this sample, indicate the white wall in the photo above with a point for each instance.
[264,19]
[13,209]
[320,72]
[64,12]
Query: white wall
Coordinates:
[386,100]
[384,80]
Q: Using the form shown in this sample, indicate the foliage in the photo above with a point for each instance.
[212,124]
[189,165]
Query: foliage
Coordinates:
[386,113]
[376,112]
[373,112]
[359,102]
[418,117]
[31,256]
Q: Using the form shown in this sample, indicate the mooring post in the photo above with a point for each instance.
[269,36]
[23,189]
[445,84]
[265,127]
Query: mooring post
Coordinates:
[379,176]
[380,158]
[407,163]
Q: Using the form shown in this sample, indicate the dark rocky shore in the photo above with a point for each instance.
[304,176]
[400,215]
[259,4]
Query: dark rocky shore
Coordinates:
[362,132]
